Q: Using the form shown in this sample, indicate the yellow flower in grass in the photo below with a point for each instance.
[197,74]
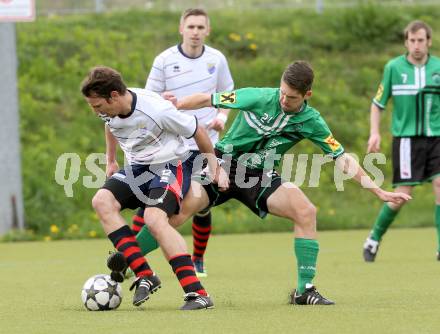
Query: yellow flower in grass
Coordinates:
[331,212]
[47,238]
[54,229]
[253,46]
[249,35]
[92,234]
[72,228]
[235,37]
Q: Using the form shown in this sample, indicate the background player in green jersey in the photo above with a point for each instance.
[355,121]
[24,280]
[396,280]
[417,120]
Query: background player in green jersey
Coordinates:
[272,120]
[413,81]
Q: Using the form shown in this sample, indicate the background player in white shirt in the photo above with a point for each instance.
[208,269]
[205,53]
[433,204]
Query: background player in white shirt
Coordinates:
[149,130]
[184,69]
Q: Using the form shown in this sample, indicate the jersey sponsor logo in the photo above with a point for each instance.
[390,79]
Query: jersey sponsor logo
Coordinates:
[211,68]
[379,93]
[332,143]
[227,98]
[176,68]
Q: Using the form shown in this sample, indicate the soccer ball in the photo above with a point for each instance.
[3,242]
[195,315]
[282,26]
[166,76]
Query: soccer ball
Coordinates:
[101,293]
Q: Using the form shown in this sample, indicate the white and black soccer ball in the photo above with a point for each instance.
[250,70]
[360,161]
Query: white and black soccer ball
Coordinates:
[101,293]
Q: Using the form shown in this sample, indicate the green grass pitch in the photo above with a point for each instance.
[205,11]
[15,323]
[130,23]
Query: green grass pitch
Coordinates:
[249,279]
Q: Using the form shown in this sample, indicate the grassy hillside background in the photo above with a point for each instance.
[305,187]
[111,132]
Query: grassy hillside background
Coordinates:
[347,48]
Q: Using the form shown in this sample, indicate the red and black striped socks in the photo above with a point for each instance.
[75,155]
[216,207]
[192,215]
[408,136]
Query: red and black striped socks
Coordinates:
[201,231]
[124,241]
[138,221]
[183,267]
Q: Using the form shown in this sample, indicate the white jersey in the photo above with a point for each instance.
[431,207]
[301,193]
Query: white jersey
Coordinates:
[152,132]
[175,72]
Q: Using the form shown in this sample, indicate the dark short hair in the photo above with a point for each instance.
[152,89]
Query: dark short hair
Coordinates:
[194,12]
[299,75]
[101,81]
[415,26]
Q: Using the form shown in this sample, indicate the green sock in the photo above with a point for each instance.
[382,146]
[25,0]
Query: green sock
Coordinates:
[383,221]
[146,241]
[306,252]
[437,224]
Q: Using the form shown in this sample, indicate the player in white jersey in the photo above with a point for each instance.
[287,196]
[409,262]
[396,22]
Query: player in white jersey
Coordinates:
[149,130]
[184,69]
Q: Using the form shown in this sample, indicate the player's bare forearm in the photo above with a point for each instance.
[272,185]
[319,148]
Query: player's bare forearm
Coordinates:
[195,101]
[374,119]
[351,167]
[348,165]
[205,146]
[110,146]
[374,140]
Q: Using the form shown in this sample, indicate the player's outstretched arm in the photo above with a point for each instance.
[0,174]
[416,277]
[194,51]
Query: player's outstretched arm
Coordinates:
[351,167]
[194,101]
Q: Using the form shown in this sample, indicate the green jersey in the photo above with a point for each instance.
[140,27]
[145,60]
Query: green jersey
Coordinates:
[416,96]
[264,129]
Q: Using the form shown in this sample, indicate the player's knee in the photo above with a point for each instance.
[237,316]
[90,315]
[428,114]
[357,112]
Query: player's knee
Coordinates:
[155,219]
[306,215]
[102,202]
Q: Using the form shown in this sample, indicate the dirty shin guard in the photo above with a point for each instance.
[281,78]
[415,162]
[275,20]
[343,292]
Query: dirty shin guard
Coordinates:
[306,251]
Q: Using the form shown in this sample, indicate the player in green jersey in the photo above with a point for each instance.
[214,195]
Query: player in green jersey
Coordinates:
[271,121]
[413,82]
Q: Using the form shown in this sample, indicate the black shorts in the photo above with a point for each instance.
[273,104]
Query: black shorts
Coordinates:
[193,162]
[162,186]
[415,160]
[252,187]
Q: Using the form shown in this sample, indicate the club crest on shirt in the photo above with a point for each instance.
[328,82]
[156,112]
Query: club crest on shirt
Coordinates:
[143,129]
[227,97]
[176,68]
[436,78]
[211,68]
